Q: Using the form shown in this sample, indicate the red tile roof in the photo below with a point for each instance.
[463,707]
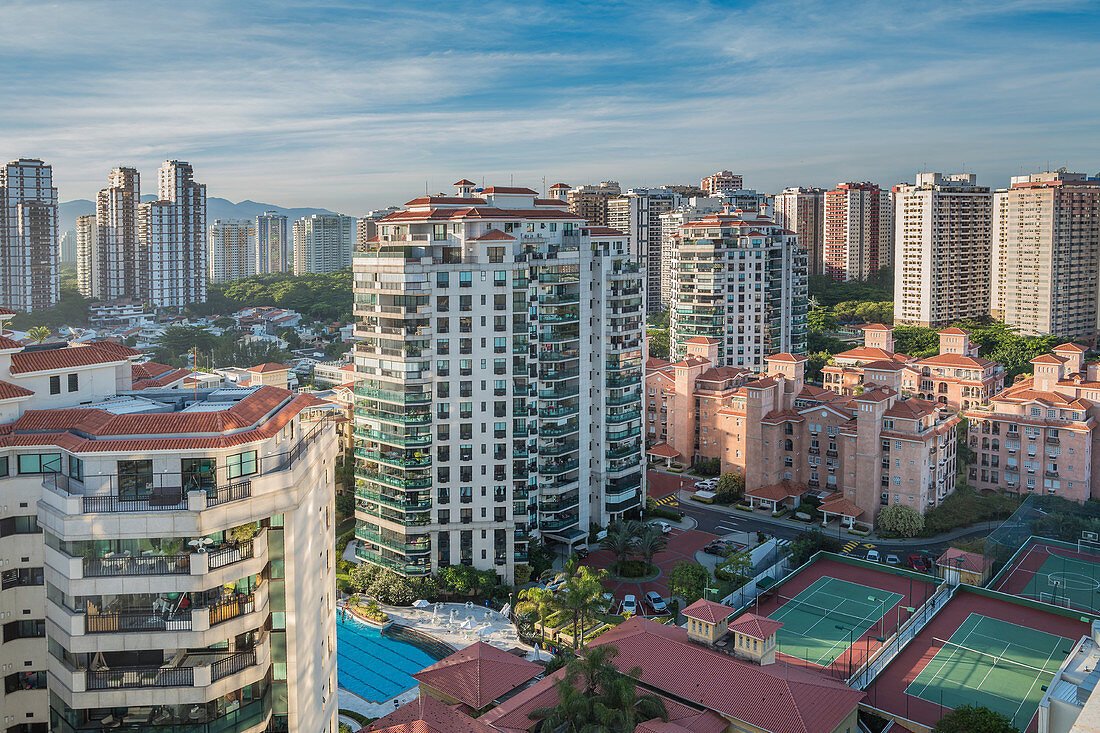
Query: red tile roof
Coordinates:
[705,340]
[163,380]
[509,189]
[511,715]
[1048,359]
[1068,347]
[7,343]
[494,235]
[955,360]
[427,714]
[777,492]
[971,561]
[869,353]
[911,408]
[709,611]
[464,182]
[6,311]
[953,332]
[785,358]
[148,370]
[875,327]
[758,627]
[9,391]
[268,367]
[478,674]
[663,450]
[784,697]
[604,232]
[720,374]
[419,201]
[841,506]
[67,357]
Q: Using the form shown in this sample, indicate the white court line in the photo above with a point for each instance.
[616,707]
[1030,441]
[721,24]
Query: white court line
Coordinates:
[1033,683]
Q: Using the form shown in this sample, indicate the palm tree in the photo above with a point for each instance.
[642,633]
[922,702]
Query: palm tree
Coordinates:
[651,542]
[38,334]
[538,601]
[577,597]
[620,543]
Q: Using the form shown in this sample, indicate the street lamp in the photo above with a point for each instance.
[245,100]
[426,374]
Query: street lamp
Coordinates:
[842,627]
[882,611]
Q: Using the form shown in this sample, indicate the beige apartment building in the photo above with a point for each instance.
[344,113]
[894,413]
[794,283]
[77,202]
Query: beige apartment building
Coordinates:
[589,202]
[166,554]
[1046,255]
[802,210]
[956,378]
[1039,435]
[857,233]
[857,453]
[943,236]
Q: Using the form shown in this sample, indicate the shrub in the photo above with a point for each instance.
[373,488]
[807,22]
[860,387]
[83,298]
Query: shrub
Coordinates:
[731,488]
[708,467]
[900,520]
[523,574]
[965,507]
[634,568]
[806,544]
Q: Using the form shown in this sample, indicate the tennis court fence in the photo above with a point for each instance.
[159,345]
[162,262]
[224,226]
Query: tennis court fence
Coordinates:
[764,580]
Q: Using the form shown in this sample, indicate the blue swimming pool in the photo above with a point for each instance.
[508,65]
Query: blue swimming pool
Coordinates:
[375,666]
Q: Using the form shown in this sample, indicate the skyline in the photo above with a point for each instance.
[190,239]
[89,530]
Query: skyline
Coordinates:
[352,107]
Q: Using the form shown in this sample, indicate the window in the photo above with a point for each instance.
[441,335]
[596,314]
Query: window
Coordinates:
[55,384]
[20,577]
[29,629]
[76,468]
[19,525]
[199,473]
[74,382]
[40,463]
[500,278]
[135,479]
[465,279]
[439,231]
[442,279]
[241,464]
[442,368]
[3,465]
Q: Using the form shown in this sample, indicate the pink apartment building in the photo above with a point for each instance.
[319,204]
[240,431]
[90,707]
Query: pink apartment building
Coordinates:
[1037,435]
[856,452]
[957,378]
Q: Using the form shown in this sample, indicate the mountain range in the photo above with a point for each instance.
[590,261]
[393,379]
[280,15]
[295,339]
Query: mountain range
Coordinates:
[216,208]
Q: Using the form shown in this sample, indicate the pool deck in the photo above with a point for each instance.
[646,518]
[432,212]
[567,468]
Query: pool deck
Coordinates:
[456,624]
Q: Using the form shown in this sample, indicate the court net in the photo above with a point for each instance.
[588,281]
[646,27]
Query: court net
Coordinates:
[829,613]
[987,657]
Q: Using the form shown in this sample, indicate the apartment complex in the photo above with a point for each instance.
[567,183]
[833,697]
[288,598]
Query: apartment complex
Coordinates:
[29,252]
[274,250]
[721,182]
[87,255]
[740,279]
[956,378]
[943,229]
[175,238]
[323,243]
[858,232]
[638,214]
[589,202]
[1039,435]
[499,399]
[671,221]
[157,546]
[233,249]
[367,226]
[116,251]
[1046,254]
[857,453]
[802,210]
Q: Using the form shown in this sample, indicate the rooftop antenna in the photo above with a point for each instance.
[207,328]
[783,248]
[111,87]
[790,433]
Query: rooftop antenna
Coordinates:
[511,179]
[425,186]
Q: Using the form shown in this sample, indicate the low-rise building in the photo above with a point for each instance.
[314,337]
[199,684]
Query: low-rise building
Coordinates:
[1037,436]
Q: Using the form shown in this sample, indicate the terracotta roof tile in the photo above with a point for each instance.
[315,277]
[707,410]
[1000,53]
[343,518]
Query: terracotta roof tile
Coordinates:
[869,353]
[428,714]
[777,492]
[704,340]
[785,358]
[663,450]
[758,627]
[953,332]
[956,360]
[971,561]
[267,368]
[709,611]
[7,343]
[9,391]
[911,408]
[1048,359]
[604,232]
[841,506]
[494,235]
[1068,347]
[478,674]
[875,327]
[67,357]
[148,370]
[509,189]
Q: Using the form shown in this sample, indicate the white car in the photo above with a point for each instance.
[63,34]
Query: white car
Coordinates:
[656,602]
[872,555]
[893,560]
[665,527]
[630,605]
[707,484]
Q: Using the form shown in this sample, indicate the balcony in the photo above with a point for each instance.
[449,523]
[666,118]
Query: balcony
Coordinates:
[561,466]
[395,458]
[401,482]
[397,544]
[398,566]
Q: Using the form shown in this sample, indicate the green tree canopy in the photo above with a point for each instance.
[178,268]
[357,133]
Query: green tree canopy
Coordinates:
[731,487]
[974,719]
[688,580]
[900,520]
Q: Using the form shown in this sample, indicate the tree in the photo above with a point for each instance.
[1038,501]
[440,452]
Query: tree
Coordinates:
[731,487]
[536,602]
[688,580]
[293,340]
[658,342]
[38,334]
[900,520]
[345,505]
[803,547]
[577,597]
[917,342]
[620,540]
[821,320]
[974,719]
[651,541]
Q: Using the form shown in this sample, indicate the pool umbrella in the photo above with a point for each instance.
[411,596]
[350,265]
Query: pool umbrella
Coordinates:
[468,623]
[421,604]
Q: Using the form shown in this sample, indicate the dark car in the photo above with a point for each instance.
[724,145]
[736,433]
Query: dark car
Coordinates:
[718,547]
[918,563]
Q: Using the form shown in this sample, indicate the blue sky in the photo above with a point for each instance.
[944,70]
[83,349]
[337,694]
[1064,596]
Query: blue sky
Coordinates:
[356,105]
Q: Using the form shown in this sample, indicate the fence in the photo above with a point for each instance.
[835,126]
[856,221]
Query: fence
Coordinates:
[232,665]
[109,679]
[105,567]
[228,555]
[126,621]
[747,593]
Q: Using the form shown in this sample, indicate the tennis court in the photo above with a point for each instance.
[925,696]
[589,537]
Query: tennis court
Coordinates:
[820,621]
[1000,665]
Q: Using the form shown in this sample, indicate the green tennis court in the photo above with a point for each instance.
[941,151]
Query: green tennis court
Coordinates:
[819,621]
[1000,665]
[1066,581]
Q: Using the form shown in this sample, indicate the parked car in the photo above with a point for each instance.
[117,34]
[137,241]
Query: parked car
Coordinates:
[710,484]
[721,548]
[917,563]
[665,527]
[656,602]
[893,560]
[873,556]
[630,605]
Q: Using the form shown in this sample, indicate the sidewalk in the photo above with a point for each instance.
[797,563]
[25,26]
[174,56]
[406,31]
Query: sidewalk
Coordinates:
[685,497]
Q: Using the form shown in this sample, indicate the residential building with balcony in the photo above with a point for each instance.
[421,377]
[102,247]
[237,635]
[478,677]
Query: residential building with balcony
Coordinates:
[323,243]
[858,233]
[590,202]
[1039,435]
[856,453]
[956,378]
[1046,253]
[117,250]
[30,258]
[637,213]
[721,183]
[802,210]
[499,394]
[166,554]
[671,221]
[274,249]
[233,249]
[943,228]
[87,256]
[740,279]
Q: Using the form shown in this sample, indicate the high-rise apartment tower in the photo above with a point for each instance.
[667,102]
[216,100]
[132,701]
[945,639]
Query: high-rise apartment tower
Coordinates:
[30,267]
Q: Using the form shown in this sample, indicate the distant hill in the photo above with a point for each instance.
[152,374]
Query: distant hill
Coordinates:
[216,208]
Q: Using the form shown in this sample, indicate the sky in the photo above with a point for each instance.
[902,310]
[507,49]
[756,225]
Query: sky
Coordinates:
[358,105]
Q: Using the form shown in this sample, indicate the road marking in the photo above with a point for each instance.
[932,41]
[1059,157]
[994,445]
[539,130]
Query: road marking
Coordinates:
[849,546]
[666,500]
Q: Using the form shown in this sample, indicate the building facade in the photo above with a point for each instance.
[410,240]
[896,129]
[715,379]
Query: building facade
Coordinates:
[1046,254]
[742,280]
[157,547]
[233,248]
[943,227]
[671,221]
[721,183]
[858,232]
[638,215]
[589,202]
[118,266]
[857,453]
[274,250]
[30,276]
[802,210]
[323,243]
[499,399]
[186,258]
[87,256]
